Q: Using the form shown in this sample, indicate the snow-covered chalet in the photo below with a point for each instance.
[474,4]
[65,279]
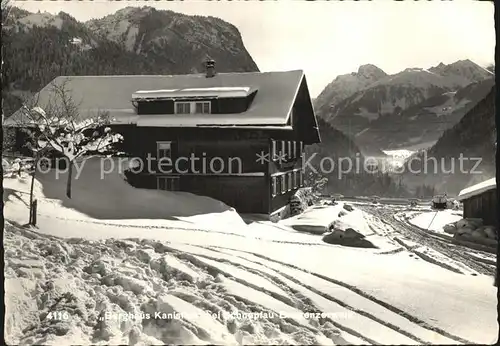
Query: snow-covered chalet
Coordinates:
[235,137]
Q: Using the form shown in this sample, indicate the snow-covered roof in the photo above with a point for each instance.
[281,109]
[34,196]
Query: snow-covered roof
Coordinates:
[275,96]
[220,92]
[477,189]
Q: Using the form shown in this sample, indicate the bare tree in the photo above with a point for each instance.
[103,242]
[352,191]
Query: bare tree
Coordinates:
[6,7]
[60,128]
[38,152]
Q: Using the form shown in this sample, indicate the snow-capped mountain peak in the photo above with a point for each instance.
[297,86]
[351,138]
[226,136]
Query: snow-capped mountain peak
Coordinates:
[414,96]
[465,70]
[162,32]
[121,26]
[345,85]
[371,72]
[418,78]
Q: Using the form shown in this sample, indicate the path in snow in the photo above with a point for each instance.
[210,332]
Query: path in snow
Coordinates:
[88,279]
[434,248]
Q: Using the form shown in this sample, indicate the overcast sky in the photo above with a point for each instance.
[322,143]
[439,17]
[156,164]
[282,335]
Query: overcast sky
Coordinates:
[326,39]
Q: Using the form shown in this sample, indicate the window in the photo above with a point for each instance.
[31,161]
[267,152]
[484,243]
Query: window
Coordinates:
[283,149]
[192,107]
[301,148]
[294,149]
[167,183]
[295,180]
[273,183]
[163,149]
[289,149]
[290,184]
[283,183]
[182,107]
[203,107]
[301,178]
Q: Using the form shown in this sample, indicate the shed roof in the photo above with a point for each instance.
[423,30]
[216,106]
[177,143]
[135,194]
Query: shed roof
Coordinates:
[477,189]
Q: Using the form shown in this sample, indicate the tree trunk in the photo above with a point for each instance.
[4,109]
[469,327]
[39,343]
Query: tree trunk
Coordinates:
[33,175]
[70,176]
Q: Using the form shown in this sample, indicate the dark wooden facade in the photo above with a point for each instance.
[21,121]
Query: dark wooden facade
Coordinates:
[220,163]
[484,206]
[255,169]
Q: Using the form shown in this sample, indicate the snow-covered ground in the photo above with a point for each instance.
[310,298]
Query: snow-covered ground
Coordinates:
[118,265]
[435,221]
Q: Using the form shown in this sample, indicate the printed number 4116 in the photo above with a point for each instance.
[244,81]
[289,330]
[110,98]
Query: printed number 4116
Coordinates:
[58,315]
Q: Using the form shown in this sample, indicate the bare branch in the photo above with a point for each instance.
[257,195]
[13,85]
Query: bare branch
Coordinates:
[58,125]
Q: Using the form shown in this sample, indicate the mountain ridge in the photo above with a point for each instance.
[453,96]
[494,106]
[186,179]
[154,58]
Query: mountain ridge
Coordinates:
[41,46]
[366,111]
[473,138]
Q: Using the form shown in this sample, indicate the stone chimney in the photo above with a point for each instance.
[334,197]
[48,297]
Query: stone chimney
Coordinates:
[210,68]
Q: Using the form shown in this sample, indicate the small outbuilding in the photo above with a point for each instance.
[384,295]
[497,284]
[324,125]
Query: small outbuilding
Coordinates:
[481,201]
[439,202]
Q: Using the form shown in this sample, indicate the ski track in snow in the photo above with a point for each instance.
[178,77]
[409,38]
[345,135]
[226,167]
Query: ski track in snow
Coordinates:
[440,251]
[120,276]
[186,270]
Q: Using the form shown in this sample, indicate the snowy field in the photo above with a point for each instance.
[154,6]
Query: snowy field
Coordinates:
[435,221]
[118,265]
[397,158]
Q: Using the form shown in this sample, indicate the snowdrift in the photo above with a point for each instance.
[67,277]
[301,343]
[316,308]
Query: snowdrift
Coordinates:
[108,197]
[451,223]
[97,195]
[315,219]
[473,230]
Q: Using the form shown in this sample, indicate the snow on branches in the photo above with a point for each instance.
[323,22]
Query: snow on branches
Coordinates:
[59,126]
[71,137]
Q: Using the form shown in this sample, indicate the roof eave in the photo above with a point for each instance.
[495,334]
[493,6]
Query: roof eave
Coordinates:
[299,84]
[474,194]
